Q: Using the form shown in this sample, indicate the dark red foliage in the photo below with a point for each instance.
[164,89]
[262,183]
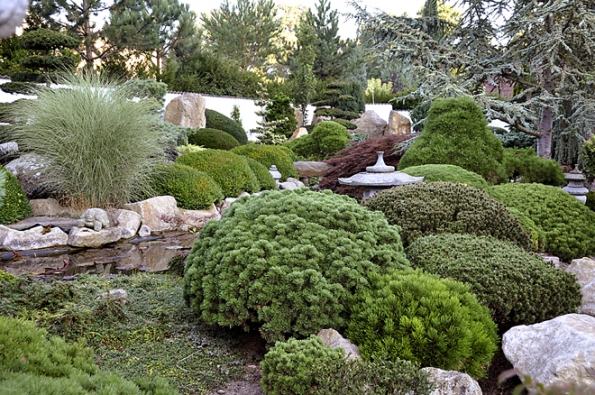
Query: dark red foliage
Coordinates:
[353,160]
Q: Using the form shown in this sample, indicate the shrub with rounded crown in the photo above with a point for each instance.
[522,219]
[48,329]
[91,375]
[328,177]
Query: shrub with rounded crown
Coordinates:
[444,207]
[517,286]
[422,318]
[524,164]
[230,171]
[287,261]
[216,120]
[213,138]
[447,173]
[327,137]
[270,155]
[263,175]
[15,205]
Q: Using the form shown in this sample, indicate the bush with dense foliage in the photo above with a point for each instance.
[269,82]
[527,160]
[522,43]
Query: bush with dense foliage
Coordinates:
[456,133]
[568,225]
[327,138]
[216,120]
[106,145]
[514,138]
[263,175]
[230,171]
[15,205]
[447,173]
[422,318]
[270,155]
[31,363]
[517,286]
[287,261]
[280,110]
[22,88]
[524,165]
[298,367]
[147,89]
[355,159]
[192,189]
[443,207]
[213,138]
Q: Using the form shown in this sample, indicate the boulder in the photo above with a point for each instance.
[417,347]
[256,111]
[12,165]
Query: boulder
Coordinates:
[298,133]
[117,295]
[558,351]
[451,382]
[157,214]
[371,124]
[94,218]
[187,110]
[32,239]
[299,117]
[128,220]
[196,219]
[29,170]
[226,204]
[291,183]
[584,270]
[397,124]
[10,148]
[89,238]
[312,169]
[333,339]
[46,207]
[317,119]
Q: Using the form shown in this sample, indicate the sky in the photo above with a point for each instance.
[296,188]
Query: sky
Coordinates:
[346,29]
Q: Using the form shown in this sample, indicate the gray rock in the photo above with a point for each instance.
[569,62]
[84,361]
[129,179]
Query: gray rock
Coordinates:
[299,117]
[291,183]
[333,339]
[312,169]
[94,218]
[561,350]
[451,382]
[85,237]
[118,295]
[29,169]
[31,239]
[196,219]
[128,220]
[397,124]
[10,148]
[584,270]
[299,132]
[12,15]
[158,214]
[144,231]
[371,124]
[226,204]
[187,110]
[46,207]
[588,301]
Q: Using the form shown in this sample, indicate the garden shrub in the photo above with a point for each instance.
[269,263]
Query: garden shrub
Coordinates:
[418,116]
[569,225]
[192,189]
[31,363]
[537,234]
[263,175]
[327,138]
[182,149]
[517,286]
[279,110]
[170,137]
[422,318]
[287,262]
[524,165]
[230,171]
[447,173]
[213,138]
[514,138]
[15,205]
[346,123]
[270,155]
[22,88]
[443,207]
[590,200]
[298,367]
[216,120]
[106,145]
[147,89]
[456,133]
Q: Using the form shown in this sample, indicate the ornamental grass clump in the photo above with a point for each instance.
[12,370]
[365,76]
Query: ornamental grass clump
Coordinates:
[99,146]
[568,225]
[14,205]
[517,286]
[443,207]
[286,262]
[298,367]
[270,155]
[447,173]
[422,318]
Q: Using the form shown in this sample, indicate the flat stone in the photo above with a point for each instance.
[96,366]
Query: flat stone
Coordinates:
[31,239]
[89,238]
[312,169]
[451,382]
[333,339]
[31,222]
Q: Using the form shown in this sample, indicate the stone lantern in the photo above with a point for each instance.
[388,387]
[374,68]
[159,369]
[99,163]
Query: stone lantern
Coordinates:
[576,185]
[275,173]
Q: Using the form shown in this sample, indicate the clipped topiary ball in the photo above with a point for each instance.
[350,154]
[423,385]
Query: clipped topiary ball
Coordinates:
[517,286]
[230,171]
[327,138]
[216,120]
[213,138]
[569,226]
[270,155]
[263,175]
[447,173]
[193,189]
[443,207]
[422,318]
[15,206]
[287,262]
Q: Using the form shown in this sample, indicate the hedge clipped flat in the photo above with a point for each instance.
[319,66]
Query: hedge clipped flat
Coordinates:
[287,261]
[517,286]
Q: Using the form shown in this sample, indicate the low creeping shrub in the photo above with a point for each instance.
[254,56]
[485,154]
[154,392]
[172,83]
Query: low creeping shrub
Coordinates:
[14,203]
[327,138]
[422,318]
[287,262]
[517,286]
[525,165]
[447,173]
[270,155]
[213,138]
[216,120]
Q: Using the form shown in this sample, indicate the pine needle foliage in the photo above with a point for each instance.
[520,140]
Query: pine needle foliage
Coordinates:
[99,146]
[444,207]
[287,261]
[517,286]
[422,318]
[524,165]
[447,173]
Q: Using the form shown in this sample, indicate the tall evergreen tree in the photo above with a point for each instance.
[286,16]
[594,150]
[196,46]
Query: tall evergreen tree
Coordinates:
[302,81]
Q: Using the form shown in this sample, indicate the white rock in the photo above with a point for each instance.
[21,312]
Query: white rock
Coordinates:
[187,110]
[119,295]
[12,15]
[128,220]
[333,339]
[144,231]
[451,382]
[9,148]
[158,214]
[85,237]
[584,270]
[196,219]
[31,239]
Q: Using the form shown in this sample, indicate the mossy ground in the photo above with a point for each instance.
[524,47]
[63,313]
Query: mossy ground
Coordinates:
[153,335]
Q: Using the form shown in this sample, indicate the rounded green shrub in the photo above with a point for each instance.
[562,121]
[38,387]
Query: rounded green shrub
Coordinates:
[568,225]
[263,175]
[21,88]
[193,189]
[216,120]
[230,171]
[537,234]
[298,367]
[327,138]
[590,200]
[443,207]
[456,133]
[447,173]
[15,206]
[422,318]
[147,89]
[287,261]
[517,286]
[213,138]
[524,165]
[270,155]
[587,155]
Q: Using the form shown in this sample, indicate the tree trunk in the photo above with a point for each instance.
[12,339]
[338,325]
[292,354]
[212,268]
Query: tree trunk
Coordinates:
[546,123]
[87,36]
